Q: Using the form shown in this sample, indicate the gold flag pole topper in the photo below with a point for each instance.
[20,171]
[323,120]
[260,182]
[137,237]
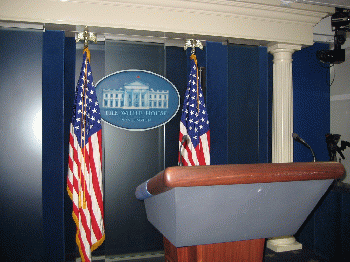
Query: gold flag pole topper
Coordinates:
[192,43]
[86,36]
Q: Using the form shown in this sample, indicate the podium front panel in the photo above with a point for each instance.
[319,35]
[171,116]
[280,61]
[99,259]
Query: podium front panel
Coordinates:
[201,215]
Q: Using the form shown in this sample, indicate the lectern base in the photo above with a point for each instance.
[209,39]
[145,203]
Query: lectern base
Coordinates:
[238,251]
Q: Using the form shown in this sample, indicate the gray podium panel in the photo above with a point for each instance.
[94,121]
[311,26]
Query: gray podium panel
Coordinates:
[190,216]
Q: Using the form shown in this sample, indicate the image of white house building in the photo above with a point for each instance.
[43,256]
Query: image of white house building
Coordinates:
[135,95]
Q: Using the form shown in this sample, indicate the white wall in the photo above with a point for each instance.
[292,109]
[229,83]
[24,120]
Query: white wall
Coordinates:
[340,106]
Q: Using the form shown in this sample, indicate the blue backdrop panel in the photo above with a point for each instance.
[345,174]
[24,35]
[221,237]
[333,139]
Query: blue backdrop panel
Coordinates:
[265,107]
[217,99]
[130,158]
[69,94]
[53,179]
[327,233]
[244,77]
[312,122]
[21,213]
[176,64]
[311,103]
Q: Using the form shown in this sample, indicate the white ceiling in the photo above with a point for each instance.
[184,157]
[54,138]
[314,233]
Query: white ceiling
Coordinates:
[120,33]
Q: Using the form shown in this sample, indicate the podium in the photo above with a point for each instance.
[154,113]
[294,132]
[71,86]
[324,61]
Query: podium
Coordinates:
[225,212]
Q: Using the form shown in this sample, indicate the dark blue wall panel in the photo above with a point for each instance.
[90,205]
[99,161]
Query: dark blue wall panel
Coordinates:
[53,178]
[238,98]
[327,231]
[327,226]
[176,65]
[345,226]
[311,103]
[130,158]
[21,214]
[264,105]
[247,85]
[217,89]
[323,231]
[69,93]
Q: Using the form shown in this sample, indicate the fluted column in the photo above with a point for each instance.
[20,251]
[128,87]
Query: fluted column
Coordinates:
[282,112]
[282,122]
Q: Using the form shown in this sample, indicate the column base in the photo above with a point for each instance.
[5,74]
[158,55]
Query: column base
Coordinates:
[283,244]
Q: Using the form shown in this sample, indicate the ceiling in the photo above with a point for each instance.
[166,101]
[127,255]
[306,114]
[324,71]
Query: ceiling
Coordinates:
[178,38]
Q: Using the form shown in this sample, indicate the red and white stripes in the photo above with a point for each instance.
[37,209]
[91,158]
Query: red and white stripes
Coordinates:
[85,188]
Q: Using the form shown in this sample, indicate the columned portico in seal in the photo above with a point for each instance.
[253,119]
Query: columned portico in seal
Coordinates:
[282,122]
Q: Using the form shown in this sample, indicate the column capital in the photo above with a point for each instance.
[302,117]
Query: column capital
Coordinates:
[281,47]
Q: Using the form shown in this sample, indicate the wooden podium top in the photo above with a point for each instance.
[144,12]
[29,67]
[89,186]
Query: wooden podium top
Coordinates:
[181,176]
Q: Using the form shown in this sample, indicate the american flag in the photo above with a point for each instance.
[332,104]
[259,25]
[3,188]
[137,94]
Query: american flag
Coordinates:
[194,138]
[84,183]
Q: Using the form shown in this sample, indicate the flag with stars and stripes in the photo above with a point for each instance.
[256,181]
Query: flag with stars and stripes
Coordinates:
[194,138]
[84,183]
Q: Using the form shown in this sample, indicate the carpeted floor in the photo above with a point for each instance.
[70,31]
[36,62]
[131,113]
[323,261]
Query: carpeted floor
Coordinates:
[303,255]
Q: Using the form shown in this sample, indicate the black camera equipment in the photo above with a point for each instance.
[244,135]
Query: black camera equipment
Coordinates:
[340,25]
[332,146]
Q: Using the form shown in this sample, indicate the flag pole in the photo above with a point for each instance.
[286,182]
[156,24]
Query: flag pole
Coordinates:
[85,180]
[85,36]
[192,43]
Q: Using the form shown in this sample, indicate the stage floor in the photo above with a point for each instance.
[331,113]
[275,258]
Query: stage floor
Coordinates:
[303,255]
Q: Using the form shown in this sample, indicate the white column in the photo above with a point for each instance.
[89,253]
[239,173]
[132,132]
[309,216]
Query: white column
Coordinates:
[282,122]
[282,112]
